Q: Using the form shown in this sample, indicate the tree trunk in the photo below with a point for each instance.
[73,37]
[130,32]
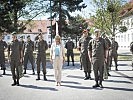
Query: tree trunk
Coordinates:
[60,18]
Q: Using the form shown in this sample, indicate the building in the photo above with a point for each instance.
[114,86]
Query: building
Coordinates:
[33,29]
[124,39]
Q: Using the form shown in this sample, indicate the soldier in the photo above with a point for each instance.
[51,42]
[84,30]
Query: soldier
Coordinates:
[15,59]
[131,49]
[83,45]
[98,53]
[113,53]
[3,46]
[69,46]
[29,48]
[106,67]
[41,56]
[23,45]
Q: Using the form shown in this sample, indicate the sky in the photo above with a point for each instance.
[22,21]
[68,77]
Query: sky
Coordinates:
[86,12]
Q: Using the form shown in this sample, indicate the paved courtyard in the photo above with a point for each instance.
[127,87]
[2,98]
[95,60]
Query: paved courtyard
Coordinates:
[119,86]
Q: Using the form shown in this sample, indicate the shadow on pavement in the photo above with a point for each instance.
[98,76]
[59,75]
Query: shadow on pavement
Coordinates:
[77,87]
[121,89]
[69,82]
[121,76]
[72,76]
[124,75]
[115,81]
[38,87]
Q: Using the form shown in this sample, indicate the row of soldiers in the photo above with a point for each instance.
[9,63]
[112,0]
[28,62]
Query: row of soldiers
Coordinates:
[97,52]
[20,52]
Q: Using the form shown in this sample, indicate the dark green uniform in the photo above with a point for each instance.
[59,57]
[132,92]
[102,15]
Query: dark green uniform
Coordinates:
[106,67]
[29,48]
[16,50]
[41,57]
[97,49]
[86,64]
[113,53]
[131,49]
[3,46]
[70,46]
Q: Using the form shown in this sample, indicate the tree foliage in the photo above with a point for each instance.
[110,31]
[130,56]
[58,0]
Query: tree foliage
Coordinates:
[61,10]
[12,11]
[107,15]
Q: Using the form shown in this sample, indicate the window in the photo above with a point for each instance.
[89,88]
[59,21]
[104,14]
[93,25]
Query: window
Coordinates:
[8,37]
[39,30]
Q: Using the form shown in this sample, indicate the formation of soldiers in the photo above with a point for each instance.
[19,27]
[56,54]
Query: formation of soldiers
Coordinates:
[96,53]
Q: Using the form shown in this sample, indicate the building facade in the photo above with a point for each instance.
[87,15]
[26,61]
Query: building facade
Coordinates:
[125,38]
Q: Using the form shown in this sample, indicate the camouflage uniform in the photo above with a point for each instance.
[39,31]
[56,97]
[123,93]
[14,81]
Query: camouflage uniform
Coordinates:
[29,48]
[86,64]
[113,53]
[70,46]
[3,46]
[97,50]
[41,57]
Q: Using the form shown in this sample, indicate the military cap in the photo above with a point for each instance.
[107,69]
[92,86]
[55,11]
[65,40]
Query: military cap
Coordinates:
[28,36]
[14,33]
[96,30]
[21,36]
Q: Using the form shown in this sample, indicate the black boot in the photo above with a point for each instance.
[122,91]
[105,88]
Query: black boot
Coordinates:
[33,72]
[73,64]
[89,76]
[17,82]
[14,83]
[116,68]
[100,84]
[96,85]
[86,76]
[4,73]
[24,71]
[38,76]
[44,77]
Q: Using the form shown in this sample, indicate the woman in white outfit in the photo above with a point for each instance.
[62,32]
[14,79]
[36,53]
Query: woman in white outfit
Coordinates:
[57,56]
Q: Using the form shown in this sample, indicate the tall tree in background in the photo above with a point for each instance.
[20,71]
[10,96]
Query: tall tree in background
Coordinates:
[107,15]
[62,8]
[12,10]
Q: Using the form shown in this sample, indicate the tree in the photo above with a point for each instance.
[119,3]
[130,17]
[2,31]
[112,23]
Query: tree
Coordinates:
[75,27]
[107,16]
[13,10]
[62,8]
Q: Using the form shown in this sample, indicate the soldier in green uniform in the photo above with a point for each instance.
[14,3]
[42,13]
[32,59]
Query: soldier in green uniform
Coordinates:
[41,56]
[98,55]
[22,45]
[83,45]
[3,46]
[106,67]
[131,49]
[69,46]
[29,48]
[15,55]
[113,53]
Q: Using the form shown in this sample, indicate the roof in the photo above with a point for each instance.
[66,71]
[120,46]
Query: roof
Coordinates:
[38,26]
[127,9]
